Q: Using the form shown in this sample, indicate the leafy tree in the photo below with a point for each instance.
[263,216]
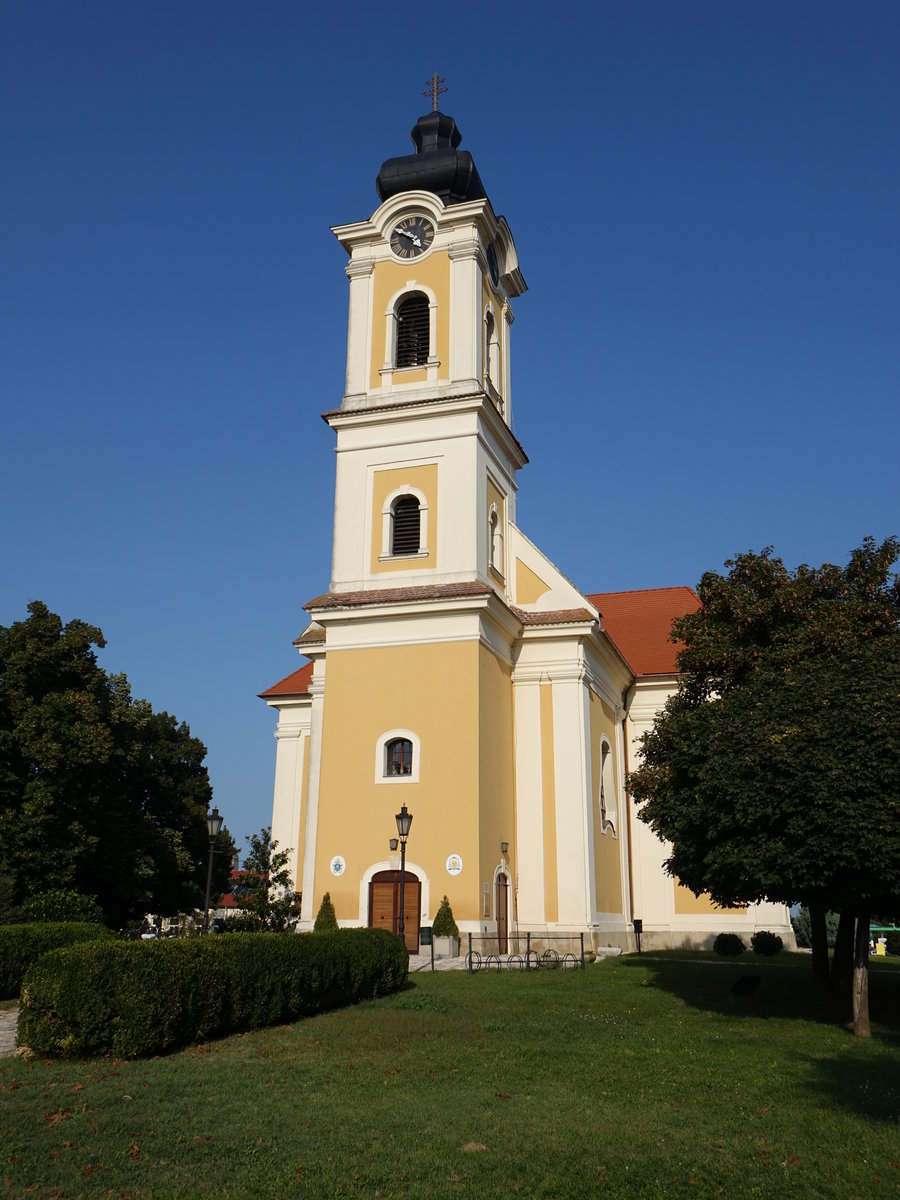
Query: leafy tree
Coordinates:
[774,772]
[266,894]
[98,794]
[60,905]
[10,912]
[326,917]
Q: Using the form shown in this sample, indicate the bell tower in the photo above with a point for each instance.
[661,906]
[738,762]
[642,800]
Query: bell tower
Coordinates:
[426,456]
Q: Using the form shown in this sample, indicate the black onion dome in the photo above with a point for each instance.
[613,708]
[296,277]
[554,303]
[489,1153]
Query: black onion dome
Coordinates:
[437,165]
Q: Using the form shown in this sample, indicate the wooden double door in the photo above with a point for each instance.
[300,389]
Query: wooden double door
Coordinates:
[384,905]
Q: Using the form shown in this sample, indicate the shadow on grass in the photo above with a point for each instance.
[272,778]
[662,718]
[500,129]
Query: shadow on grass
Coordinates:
[861,1084]
[781,987]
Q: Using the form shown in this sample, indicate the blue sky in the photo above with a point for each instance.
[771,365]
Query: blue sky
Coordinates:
[705,200]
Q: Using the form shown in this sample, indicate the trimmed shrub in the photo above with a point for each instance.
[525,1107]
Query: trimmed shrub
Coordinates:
[728,944]
[326,918]
[60,905]
[803,928]
[134,999]
[767,943]
[21,945]
[893,943]
[444,922]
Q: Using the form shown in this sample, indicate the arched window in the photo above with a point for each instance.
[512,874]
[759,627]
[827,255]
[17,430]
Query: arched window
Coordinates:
[491,351]
[607,798]
[398,757]
[413,336]
[405,525]
[495,540]
[398,754]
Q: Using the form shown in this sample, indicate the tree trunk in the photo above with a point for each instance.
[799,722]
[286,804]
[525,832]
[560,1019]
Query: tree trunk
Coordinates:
[861,978]
[842,963]
[819,935]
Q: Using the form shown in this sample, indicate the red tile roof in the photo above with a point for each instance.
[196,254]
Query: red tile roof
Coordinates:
[441,591]
[295,684]
[312,635]
[555,616]
[639,624]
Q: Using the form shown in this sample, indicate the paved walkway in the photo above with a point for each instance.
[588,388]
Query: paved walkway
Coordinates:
[422,962]
[8,1018]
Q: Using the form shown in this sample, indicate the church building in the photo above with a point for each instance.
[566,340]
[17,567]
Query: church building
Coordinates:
[450,667]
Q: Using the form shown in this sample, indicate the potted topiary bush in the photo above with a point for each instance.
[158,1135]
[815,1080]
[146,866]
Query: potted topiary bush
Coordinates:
[445,932]
[326,919]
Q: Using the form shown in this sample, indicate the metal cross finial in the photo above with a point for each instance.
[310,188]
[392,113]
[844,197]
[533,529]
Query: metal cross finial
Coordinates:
[434,90]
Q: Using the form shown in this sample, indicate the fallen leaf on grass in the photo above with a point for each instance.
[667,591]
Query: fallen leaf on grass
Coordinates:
[134,1151]
[470,1147]
[503,1095]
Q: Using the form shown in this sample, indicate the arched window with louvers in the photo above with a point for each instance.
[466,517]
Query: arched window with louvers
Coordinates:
[405,526]
[404,529]
[413,331]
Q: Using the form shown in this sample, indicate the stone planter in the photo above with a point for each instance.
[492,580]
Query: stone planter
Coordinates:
[446,947]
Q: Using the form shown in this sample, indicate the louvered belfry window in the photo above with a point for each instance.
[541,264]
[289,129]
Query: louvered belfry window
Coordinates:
[413,331]
[405,534]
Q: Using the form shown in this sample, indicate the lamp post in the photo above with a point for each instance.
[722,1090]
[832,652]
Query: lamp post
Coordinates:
[213,828]
[404,820]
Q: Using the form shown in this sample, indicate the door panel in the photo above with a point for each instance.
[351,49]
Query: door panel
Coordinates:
[384,905]
[503,914]
[382,912]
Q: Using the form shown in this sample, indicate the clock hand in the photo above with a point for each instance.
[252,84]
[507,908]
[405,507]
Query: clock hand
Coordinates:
[405,233]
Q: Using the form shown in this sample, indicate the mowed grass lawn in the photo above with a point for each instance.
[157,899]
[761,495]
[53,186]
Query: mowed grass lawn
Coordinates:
[639,1077]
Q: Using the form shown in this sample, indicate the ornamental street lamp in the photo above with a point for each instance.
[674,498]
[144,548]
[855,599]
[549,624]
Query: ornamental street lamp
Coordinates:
[213,828]
[404,820]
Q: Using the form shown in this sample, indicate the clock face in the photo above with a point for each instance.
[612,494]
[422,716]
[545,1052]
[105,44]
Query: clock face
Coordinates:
[492,265]
[411,237]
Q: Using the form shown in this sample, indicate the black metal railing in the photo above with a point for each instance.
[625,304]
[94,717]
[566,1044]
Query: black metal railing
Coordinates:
[526,957]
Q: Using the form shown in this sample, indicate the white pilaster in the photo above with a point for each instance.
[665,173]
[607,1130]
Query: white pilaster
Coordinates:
[465,309]
[317,691]
[571,741]
[289,737]
[359,331]
[529,802]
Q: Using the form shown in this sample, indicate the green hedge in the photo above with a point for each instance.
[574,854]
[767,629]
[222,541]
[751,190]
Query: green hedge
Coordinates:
[21,945]
[141,998]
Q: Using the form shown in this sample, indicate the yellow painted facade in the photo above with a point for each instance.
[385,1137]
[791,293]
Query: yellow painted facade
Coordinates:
[607,860]
[688,905]
[496,763]
[390,278]
[424,479]
[529,587]
[463,802]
